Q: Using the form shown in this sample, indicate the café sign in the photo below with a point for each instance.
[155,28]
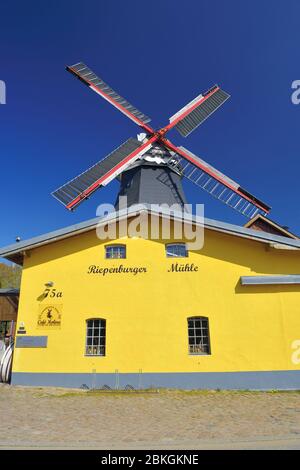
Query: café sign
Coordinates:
[49,316]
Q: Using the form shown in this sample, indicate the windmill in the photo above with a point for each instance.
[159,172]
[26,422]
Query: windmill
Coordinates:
[152,148]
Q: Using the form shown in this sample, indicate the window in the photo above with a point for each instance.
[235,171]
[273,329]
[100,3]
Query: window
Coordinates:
[198,331]
[176,250]
[95,337]
[115,251]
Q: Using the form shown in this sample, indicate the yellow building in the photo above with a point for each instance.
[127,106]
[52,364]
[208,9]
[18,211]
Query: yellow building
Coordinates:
[145,313]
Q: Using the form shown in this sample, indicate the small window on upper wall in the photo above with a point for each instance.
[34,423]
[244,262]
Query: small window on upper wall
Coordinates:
[176,250]
[115,251]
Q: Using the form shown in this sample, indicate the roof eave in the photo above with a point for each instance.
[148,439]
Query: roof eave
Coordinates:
[17,251]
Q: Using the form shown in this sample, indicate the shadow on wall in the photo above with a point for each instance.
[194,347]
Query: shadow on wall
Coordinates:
[259,257]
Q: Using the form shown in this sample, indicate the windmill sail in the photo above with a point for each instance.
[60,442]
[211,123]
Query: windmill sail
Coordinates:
[217,184]
[198,110]
[192,167]
[89,78]
[78,189]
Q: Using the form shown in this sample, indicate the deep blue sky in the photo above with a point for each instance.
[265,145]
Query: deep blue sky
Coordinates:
[159,55]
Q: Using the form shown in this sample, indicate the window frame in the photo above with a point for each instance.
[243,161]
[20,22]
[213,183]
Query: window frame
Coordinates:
[87,336]
[115,245]
[201,343]
[167,245]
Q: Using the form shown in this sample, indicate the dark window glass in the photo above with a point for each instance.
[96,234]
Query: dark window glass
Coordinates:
[176,250]
[198,332]
[115,251]
[95,337]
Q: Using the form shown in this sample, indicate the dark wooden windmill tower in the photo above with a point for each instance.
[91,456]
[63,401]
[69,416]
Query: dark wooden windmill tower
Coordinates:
[150,167]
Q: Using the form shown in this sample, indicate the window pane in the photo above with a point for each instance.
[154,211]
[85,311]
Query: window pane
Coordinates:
[95,339]
[198,335]
[115,251]
[176,250]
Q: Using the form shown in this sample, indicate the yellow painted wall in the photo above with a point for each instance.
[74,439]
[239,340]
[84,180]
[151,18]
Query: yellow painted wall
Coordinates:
[251,328]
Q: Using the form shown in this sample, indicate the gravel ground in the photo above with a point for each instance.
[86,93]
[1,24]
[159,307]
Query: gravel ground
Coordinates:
[60,418]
